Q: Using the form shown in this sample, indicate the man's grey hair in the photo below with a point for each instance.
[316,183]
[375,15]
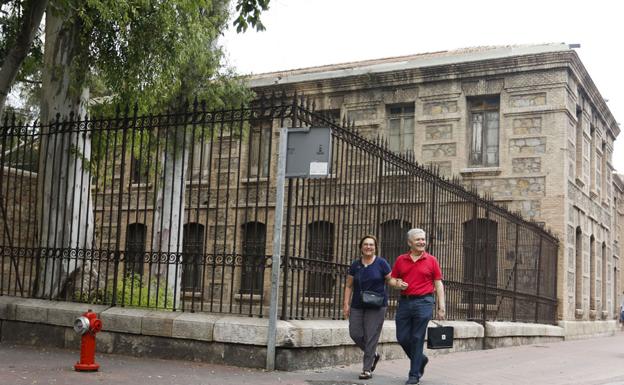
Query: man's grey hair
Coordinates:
[415,232]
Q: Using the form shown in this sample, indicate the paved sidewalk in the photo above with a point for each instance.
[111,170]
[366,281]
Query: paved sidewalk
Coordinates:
[594,361]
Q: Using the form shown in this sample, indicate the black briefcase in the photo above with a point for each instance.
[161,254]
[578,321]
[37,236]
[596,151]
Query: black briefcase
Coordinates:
[440,337]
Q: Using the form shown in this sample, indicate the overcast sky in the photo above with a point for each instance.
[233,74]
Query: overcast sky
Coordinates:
[304,33]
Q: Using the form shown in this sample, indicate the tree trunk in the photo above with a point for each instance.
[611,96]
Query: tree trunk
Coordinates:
[33,12]
[169,214]
[65,210]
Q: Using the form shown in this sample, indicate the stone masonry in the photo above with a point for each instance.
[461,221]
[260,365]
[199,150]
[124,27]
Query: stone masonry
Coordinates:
[553,143]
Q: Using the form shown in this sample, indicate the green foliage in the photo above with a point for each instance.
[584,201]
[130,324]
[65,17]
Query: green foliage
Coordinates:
[249,14]
[133,291]
[156,53]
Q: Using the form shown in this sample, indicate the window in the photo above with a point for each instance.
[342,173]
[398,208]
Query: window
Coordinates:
[604,172]
[332,115]
[259,149]
[592,159]
[592,273]
[138,170]
[484,126]
[254,251]
[401,128]
[603,294]
[614,289]
[393,239]
[579,268]
[480,258]
[320,248]
[579,143]
[135,248]
[192,256]
[199,161]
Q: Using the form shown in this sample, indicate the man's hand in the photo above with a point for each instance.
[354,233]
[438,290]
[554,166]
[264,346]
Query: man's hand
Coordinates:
[401,284]
[441,313]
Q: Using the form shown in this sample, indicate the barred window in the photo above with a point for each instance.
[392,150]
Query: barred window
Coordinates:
[192,256]
[254,251]
[135,248]
[320,248]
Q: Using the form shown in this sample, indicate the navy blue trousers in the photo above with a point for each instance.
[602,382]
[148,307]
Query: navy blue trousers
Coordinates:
[412,318]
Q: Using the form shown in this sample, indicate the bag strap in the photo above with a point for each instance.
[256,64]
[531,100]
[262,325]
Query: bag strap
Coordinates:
[436,323]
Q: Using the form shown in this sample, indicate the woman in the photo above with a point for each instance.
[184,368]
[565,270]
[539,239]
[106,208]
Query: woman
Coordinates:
[367,274]
[622,312]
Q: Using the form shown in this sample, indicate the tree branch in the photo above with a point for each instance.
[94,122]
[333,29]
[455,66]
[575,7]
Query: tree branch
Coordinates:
[33,13]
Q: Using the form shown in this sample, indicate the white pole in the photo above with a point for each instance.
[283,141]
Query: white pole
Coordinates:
[277,248]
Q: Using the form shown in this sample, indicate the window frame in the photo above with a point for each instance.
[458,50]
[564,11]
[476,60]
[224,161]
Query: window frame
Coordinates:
[259,162]
[483,106]
[405,111]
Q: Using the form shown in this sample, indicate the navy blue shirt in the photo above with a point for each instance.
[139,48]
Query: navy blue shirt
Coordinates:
[371,278]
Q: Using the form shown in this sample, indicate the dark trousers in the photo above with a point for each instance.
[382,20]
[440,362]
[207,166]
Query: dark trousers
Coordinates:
[365,328]
[412,318]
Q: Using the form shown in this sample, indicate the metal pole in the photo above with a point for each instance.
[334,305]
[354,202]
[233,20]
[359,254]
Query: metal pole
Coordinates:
[277,248]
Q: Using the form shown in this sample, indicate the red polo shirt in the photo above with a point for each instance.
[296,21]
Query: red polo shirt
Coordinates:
[419,275]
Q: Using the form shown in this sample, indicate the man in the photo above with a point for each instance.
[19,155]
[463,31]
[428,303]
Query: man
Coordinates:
[418,274]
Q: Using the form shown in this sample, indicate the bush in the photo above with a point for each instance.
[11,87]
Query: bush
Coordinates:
[133,291]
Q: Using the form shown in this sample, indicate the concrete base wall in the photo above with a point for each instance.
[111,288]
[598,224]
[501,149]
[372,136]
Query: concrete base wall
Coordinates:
[587,329]
[239,341]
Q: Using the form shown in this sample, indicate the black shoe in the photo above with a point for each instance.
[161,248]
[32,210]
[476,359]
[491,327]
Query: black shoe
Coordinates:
[375,361]
[411,381]
[365,375]
[424,363]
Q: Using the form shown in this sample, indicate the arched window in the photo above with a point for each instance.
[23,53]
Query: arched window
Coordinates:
[135,248]
[320,248]
[578,292]
[480,257]
[254,252]
[603,278]
[393,240]
[592,273]
[192,256]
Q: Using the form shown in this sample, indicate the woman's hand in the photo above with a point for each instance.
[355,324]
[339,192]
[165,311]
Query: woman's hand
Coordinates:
[346,309]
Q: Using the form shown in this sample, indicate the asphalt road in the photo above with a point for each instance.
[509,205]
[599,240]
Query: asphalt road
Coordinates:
[592,361]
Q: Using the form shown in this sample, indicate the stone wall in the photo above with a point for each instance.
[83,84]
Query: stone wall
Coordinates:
[555,145]
[18,228]
[239,341]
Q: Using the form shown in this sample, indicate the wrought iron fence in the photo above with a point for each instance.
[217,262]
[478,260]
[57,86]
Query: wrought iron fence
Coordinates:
[175,211]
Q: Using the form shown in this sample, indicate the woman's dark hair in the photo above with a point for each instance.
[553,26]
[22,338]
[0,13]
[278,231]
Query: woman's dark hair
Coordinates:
[367,237]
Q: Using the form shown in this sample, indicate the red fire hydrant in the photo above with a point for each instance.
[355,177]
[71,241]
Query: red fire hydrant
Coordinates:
[87,325]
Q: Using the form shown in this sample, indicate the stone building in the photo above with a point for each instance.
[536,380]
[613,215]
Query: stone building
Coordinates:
[524,124]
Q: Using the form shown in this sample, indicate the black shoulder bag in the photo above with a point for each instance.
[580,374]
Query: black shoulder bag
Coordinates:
[370,298]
